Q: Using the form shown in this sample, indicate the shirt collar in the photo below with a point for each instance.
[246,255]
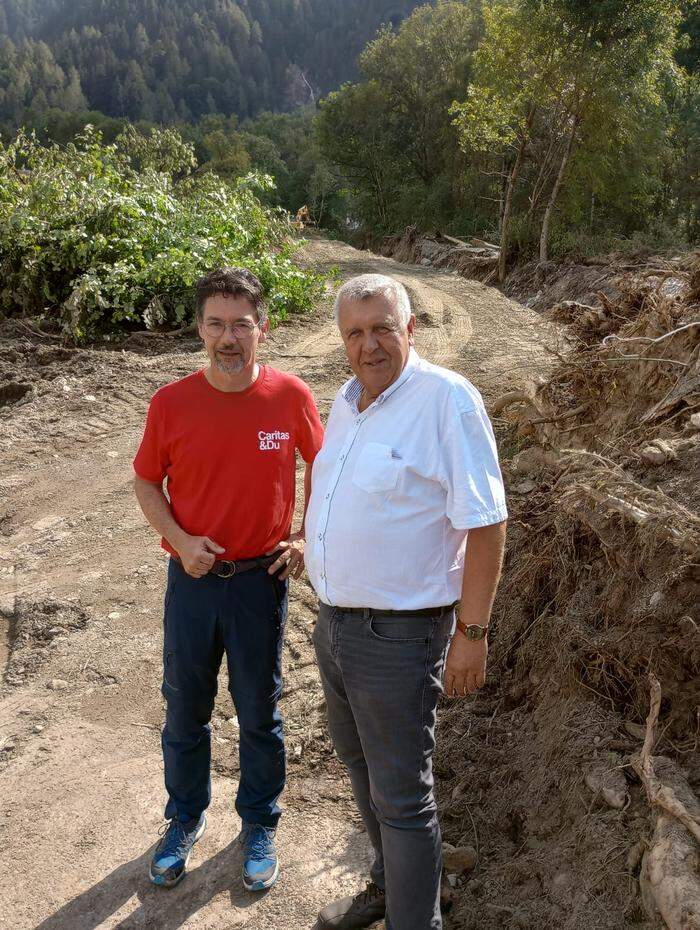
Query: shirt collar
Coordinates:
[353,389]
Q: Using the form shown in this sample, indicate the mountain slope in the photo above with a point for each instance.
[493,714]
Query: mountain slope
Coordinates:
[163,60]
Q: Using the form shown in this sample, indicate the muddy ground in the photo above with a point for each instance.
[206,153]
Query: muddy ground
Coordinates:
[81,583]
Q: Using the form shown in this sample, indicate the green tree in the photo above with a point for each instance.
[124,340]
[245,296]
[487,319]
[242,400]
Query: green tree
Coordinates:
[156,59]
[392,135]
[161,150]
[73,98]
[682,165]
[689,51]
[421,68]
[559,70]
[352,135]
[514,71]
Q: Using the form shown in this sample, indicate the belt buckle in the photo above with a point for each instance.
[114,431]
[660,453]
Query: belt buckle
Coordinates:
[230,572]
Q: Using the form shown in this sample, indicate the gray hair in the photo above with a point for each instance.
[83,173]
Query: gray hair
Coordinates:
[375,285]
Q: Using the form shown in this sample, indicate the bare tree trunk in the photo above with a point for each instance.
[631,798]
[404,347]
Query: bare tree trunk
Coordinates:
[381,201]
[502,196]
[546,166]
[508,204]
[541,183]
[544,237]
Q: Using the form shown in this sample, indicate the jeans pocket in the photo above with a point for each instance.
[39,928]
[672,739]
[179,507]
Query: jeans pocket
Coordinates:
[398,629]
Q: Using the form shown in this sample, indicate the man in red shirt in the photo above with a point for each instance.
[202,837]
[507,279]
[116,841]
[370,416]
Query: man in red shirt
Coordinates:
[225,440]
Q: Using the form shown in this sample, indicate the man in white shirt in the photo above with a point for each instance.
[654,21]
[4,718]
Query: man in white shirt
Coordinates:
[406,520]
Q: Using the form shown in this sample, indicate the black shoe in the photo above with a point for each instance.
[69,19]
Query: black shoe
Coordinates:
[354,912]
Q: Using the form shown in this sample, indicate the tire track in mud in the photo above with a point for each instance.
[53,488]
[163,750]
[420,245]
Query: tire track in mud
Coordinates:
[68,412]
[463,324]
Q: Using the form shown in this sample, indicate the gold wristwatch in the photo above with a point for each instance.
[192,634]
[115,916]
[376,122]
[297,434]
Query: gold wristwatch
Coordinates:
[473,631]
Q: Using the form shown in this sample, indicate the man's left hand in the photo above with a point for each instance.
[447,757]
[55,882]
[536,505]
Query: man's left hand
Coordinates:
[465,669]
[291,558]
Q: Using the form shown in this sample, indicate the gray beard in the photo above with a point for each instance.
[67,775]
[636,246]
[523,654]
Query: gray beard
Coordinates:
[229,366]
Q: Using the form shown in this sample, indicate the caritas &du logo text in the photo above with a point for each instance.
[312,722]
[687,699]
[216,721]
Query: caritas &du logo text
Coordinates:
[272,440]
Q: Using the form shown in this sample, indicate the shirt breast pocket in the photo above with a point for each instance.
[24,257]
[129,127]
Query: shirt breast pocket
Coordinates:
[376,469]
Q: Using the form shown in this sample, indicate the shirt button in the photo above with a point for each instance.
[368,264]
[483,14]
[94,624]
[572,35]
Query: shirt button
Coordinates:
[320,535]
[328,497]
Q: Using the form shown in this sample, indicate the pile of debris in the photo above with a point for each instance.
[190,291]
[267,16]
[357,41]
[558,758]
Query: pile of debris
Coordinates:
[471,258]
[575,775]
[552,286]
[629,378]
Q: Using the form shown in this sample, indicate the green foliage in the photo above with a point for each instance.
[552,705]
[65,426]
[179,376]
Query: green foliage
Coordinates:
[563,84]
[582,106]
[514,67]
[286,145]
[688,53]
[448,94]
[161,150]
[391,135]
[106,236]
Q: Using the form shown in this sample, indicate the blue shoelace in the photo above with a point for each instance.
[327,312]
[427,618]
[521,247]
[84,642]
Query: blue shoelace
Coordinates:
[259,842]
[175,839]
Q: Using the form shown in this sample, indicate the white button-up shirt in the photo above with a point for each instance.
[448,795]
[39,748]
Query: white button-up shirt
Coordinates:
[396,488]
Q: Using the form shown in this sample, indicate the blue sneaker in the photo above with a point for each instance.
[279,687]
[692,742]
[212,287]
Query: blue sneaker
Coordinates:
[260,866]
[173,852]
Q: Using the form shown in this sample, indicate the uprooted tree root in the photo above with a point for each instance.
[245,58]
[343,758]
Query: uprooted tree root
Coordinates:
[577,824]
[632,372]
[608,568]
[669,877]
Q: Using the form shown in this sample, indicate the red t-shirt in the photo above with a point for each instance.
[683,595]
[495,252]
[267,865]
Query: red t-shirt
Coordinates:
[230,458]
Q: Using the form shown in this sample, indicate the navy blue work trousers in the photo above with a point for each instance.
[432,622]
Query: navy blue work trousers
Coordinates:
[205,618]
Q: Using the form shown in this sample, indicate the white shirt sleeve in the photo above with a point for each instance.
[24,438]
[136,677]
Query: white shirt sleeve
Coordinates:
[470,472]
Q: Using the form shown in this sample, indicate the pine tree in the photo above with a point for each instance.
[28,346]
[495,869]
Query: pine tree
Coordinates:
[73,98]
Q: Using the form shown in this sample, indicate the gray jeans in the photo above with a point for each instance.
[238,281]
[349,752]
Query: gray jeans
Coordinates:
[381,676]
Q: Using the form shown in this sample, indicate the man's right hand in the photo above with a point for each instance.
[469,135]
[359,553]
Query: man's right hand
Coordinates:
[198,554]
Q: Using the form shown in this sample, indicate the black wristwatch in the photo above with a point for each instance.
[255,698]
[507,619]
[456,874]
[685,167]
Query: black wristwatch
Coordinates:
[473,631]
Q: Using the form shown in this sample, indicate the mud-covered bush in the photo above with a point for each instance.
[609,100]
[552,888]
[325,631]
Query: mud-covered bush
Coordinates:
[99,237]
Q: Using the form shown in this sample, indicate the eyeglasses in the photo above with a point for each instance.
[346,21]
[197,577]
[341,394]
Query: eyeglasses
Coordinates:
[240,329]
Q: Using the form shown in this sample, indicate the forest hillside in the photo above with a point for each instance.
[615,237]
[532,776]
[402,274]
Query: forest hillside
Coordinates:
[551,128]
[165,60]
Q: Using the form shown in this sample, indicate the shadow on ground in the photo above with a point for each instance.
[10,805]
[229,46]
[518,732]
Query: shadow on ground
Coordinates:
[159,908]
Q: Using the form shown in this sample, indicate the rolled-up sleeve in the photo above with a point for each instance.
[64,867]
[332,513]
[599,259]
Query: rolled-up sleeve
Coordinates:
[471,473]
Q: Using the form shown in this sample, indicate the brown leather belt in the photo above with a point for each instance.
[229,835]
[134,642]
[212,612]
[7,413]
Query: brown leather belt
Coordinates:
[224,568]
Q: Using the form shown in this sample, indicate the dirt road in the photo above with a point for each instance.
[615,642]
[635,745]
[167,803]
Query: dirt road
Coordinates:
[81,581]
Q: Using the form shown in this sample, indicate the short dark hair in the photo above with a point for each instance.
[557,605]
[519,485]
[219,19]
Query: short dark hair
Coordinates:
[231,282]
